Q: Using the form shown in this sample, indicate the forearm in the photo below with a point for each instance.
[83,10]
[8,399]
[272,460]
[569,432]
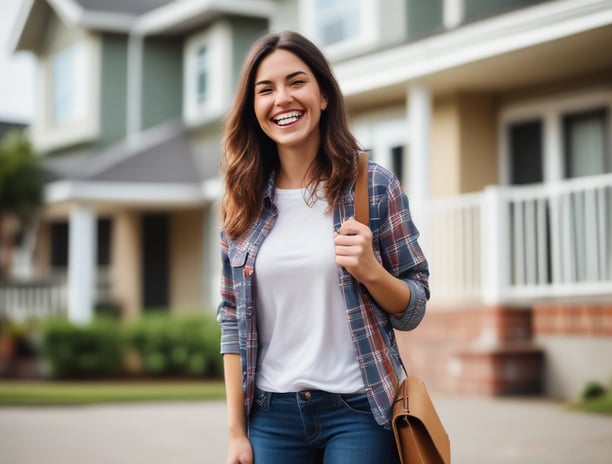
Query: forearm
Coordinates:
[234,395]
[390,293]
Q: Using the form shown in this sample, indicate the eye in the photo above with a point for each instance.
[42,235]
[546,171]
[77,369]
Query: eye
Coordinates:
[298,82]
[264,90]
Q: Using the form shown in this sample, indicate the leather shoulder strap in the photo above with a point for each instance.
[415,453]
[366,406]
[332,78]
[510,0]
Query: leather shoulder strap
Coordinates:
[362,200]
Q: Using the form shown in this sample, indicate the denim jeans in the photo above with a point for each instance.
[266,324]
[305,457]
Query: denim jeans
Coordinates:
[315,427]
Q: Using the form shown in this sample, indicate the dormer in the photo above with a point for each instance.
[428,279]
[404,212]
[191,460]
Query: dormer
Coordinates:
[216,34]
[81,52]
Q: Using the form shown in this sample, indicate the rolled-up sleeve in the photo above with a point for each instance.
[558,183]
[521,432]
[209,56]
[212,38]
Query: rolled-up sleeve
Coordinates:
[402,254]
[226,312]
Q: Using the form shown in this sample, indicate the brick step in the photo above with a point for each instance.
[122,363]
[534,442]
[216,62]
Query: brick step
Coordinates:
[481,351]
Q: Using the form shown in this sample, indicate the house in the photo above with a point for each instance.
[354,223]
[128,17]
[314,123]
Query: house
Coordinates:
[496,117]
[132,97]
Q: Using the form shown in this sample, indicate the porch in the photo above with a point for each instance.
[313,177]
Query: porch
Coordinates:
[24,300]
[521,281]
[513,245]
[505,245]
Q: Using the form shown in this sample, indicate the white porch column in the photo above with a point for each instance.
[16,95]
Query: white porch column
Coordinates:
[419,132]
[495,251]
[81,264]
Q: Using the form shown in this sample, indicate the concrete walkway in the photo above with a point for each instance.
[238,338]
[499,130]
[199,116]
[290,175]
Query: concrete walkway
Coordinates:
[482,431]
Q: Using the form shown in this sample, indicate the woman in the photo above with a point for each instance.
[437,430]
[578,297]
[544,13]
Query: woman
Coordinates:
[310,297]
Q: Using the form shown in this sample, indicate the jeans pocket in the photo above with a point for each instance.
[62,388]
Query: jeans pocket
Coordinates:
[357,402]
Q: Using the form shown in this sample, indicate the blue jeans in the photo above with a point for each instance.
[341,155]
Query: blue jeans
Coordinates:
[315,427]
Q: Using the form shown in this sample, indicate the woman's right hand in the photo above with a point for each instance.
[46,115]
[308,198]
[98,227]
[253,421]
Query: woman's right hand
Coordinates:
[240,451]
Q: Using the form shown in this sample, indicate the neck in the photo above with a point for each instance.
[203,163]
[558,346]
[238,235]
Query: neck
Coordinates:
[294,165]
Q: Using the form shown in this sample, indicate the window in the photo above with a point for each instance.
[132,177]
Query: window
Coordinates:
[585,149]
[68,79]
[338,20]
[525,140]
[397,161]
[340,26]
[206,92]
[202,74]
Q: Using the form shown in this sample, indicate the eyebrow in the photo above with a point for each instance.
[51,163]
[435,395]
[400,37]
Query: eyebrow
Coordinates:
[288,77]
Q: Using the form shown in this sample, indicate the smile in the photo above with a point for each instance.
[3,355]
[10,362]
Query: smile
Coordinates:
[287,118]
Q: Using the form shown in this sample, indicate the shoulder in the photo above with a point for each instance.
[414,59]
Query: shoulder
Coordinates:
[382,179]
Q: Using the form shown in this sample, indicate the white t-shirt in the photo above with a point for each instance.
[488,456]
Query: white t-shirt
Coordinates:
[304,336]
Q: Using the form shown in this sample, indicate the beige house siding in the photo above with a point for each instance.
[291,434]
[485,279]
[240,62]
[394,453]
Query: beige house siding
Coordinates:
[445,148]
[463,144]
[126,261]
[186,260]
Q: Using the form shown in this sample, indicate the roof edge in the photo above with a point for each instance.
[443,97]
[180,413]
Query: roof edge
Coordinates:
[180,15]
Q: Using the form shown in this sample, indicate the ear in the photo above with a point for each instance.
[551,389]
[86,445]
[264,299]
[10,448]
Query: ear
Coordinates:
[323,102]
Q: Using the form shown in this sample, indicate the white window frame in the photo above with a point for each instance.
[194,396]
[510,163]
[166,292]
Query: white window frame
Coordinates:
[381,131]
[218,42]
[368,19]
[83,125]
[550,111]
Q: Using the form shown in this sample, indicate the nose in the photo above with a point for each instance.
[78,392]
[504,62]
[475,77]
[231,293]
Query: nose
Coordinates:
[283,96]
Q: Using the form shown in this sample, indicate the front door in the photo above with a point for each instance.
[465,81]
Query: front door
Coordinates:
[155,261]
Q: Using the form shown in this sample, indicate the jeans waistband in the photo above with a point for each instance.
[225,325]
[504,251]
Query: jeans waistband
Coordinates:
[263,398]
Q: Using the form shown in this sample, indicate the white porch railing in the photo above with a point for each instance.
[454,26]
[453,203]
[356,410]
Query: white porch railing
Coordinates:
[25,300]
[509,244]
[36,299]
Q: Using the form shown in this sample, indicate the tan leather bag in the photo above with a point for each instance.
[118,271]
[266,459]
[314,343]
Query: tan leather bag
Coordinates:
[419,434]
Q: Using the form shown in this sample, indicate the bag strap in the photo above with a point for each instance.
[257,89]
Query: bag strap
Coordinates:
[362,215]
[362,200]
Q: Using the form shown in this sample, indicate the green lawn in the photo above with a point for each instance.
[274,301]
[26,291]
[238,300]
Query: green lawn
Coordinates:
[601,405]
[37,393]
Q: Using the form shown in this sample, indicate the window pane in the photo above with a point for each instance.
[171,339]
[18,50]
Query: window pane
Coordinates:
[526,152]
[337,20]
[62,82]
[397,159]
[202,74]
[585,149]
[68,84]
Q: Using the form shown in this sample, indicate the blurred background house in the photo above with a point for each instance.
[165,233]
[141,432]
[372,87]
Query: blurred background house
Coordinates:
[495,115]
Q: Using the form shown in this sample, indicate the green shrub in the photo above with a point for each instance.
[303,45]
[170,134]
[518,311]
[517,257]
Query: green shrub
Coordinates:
[593,390]
[180,345]
[89,351]
[157,344]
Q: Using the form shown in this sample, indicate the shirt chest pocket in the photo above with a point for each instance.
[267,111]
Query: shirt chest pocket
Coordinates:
[242,271]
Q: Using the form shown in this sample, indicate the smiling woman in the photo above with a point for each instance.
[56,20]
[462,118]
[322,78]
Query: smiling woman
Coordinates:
[307,322]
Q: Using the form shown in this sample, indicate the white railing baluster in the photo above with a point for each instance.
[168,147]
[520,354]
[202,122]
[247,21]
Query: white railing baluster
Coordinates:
[541,242]
[591,237]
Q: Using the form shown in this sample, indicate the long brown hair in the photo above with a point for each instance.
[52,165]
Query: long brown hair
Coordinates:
[250,156]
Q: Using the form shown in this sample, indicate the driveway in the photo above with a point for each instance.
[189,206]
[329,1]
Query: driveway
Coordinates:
[482,431]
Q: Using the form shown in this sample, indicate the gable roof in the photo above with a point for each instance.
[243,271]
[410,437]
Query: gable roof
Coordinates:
[130,7]
[162,154]
[126,16]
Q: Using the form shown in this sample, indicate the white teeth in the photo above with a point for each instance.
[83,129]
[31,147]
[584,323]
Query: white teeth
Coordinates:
[288,118]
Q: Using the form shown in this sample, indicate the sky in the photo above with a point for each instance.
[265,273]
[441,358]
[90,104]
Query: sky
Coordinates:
[16,70]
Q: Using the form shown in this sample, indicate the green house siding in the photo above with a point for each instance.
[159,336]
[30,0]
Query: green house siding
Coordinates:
[478,9]
[424,18]
[244,32]
[162,82]
[113,91]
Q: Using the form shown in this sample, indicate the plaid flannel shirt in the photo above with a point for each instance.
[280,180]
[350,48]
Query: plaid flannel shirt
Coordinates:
[395,246]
